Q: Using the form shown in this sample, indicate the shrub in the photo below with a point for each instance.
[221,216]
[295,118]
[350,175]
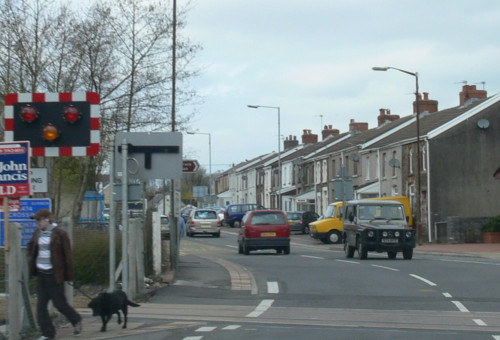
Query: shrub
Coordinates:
[493,225]
[91,256]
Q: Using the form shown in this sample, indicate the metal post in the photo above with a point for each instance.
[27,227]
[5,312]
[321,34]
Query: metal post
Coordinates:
[111,225]
[125,267]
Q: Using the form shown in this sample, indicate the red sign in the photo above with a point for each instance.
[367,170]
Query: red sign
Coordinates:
[190,166]
[14,204]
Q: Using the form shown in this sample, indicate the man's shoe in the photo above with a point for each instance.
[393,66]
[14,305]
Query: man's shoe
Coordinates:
[78,328]
[43,337]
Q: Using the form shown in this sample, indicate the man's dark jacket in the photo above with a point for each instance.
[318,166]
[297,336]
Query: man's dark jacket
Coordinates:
[61,256]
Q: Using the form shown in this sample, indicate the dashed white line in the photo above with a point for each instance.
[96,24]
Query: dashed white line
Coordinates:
[496,337]
[231,246]
[193,338]
[231,327]
[313,257]
[460,306]
[272,287]
[430,283]
[205,329]
[383,267]
[347,261]
[479,322]
[447,295]
[261,308]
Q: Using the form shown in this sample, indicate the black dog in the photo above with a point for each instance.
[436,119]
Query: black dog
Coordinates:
[107,304]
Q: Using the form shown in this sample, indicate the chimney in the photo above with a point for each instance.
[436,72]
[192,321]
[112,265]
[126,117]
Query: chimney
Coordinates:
[308,137]
[385,116]
[290,142]
[425,104]
[469,92]
[329,131]
[357,127]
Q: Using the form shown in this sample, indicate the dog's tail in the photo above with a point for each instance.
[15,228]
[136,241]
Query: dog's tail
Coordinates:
[130,303]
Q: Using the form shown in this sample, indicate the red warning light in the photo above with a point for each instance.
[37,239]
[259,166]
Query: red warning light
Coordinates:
[72,114]
[29,114]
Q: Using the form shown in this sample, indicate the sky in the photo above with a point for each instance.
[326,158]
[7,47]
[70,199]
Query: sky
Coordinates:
[313,59]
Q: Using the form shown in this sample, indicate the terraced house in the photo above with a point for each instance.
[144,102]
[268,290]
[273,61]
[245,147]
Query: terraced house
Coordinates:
[459,152]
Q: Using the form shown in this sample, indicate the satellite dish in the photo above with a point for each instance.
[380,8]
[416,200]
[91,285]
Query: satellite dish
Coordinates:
[483,123]
[355,157]
[394,163]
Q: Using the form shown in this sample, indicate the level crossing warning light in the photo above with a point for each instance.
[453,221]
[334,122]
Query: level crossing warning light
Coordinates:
[55,124]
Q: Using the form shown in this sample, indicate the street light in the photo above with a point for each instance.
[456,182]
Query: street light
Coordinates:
[279,148]
[419,187]
[209,159]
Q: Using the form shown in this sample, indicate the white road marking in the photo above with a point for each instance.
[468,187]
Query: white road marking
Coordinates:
[231,327]
[205,329]
[346,261]
[448,295]
[272,287]
[479,322]
[394,269]
[313,257]
[474,262]
[261,308]
[430,283]
[231,246]
[460,306]
[193,338]
[496,337]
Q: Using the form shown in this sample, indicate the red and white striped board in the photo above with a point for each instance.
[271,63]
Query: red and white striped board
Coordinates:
[95,122]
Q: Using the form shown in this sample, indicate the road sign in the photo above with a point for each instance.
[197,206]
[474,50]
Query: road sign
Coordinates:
[15,169]
[151,155]
[29,206]
[190,165]
[38,179]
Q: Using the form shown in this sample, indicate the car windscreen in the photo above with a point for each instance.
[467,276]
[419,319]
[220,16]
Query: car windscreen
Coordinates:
[205,215]
[294,216]
[267,218]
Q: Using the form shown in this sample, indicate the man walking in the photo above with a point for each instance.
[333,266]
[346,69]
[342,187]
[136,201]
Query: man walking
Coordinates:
[50,259]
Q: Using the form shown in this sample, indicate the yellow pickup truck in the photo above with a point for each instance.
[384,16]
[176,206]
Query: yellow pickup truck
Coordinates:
[329,228]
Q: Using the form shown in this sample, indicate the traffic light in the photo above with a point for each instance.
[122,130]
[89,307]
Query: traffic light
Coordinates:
[56,124]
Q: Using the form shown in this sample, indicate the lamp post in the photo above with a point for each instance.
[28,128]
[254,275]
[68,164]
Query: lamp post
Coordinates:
[279,148]
[419,187]
[209,159]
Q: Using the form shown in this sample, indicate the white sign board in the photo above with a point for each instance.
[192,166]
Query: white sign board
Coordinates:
[151,155]
[38,179]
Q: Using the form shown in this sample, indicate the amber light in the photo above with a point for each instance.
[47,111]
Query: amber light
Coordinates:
[29,114]
[71,114]
[50,133]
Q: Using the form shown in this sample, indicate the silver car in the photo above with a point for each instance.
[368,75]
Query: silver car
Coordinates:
[203,221]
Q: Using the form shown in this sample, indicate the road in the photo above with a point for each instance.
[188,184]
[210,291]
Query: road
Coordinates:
[316,293]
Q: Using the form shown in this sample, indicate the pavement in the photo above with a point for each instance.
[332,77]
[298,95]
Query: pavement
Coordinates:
[151,322]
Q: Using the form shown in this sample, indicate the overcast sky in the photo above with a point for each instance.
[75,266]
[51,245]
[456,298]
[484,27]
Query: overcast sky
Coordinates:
[314,60]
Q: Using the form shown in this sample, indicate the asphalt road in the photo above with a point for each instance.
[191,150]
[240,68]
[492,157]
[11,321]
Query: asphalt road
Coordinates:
[315,293]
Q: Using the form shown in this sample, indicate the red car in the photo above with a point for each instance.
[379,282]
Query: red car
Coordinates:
[264,229]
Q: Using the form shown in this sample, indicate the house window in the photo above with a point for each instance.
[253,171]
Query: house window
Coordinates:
[394,165]
[318,172]
[355,167]
[325,170]
[424,158]
[410,161]
[334,169]
[383,164]
[346,165]
[368,165]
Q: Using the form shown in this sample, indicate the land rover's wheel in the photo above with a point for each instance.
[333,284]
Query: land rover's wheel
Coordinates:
[333,236]
[362,252]
[392,254]
[287,250]
[246,251]
[237,224]
[407,253]
[305,230]
[240,249]
[349,250]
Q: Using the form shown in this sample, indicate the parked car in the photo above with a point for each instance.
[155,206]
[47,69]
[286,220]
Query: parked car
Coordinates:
[299,220]
[264,229]
[165,227]
[377,225]
[234,213]
[202,221]
[329,229]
